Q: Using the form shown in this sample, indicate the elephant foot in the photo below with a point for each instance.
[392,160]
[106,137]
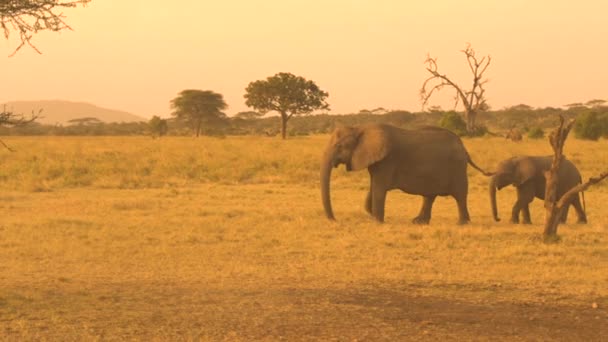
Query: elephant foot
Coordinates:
[463,221]
[526,222]
[421,220]
[581,221]
[514,221]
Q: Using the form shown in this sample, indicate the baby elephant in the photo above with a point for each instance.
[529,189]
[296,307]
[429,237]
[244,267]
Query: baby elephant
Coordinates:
[526,173]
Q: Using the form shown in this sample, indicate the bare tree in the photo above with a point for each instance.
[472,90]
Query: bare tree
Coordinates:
[555,206]
[473,100]
[28,17]
[10,119]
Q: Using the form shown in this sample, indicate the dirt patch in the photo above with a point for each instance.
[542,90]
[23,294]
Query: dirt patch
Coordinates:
[168,311]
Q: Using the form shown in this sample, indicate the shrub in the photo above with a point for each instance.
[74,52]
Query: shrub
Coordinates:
[536,133]
[604,123]
[480,130]
[588,126]
[453,122]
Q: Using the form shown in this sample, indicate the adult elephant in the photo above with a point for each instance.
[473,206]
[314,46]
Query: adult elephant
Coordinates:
[429,162]
[526,173]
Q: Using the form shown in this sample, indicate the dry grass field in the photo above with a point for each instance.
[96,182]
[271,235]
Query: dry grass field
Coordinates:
[225,239]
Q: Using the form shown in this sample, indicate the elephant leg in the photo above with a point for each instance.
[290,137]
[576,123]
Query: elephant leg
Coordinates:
[525,195]
[463,211]
[424,217]
[378,201]
[368,202]
[564,215]
[576,203]
[525,212]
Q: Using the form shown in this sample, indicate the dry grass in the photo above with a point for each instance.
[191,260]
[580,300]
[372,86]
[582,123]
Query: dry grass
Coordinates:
[211,239]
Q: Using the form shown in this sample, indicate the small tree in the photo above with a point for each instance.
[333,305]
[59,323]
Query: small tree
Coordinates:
[588,125]
[198,107]
[453,122]
[555,206]
[473,100]
[158,127]
[595,103]
[286,94]
[28,17]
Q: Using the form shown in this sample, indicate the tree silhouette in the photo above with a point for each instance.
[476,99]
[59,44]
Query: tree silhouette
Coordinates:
[286,94]
[473,100]
[197,107]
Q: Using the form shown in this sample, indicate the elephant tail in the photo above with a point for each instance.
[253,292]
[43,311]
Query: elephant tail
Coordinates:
[485,173]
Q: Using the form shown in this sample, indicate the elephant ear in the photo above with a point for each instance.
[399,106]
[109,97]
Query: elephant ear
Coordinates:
[524,171]
[372,146]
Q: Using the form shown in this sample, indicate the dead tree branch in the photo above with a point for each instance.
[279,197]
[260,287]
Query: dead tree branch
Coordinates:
[28,17]
[555,206]
[567,197]
[473,100]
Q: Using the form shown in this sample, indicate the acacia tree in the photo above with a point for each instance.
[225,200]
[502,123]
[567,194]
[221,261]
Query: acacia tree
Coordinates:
[286,94]
[248,115]
[198,107]
[554,206]
[473,100]
[28,17]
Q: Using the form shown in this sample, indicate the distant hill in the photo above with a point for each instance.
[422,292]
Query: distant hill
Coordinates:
[57,111]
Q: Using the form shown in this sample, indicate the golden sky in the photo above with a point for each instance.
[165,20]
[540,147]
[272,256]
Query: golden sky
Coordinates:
[136,55]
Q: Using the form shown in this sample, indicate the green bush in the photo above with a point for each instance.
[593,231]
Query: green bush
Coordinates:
[536,133]
[589,125]
[604,122]
[480,131]
[453,122]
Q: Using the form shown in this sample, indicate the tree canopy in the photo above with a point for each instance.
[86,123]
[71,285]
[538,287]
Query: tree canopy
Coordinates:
[86,121]
[248,115]
[198,107]
[286,94]
[28,17]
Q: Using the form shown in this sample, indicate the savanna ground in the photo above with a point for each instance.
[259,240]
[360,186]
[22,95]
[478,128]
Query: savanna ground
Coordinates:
[225,239]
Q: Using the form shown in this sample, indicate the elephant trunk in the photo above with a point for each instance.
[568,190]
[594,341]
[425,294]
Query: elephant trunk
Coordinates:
[326,166]
[493,198]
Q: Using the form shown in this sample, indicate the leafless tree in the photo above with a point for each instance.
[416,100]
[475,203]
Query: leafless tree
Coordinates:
[28,17]
[555,206]
[10,119]
[473,100]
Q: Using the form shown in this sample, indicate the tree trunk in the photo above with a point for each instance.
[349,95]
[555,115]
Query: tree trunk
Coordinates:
[553,211]
[470,118]
[198,128]
[553,205]
[284,119]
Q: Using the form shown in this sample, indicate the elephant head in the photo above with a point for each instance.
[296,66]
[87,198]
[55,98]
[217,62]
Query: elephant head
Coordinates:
[357,148]
[515,171]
